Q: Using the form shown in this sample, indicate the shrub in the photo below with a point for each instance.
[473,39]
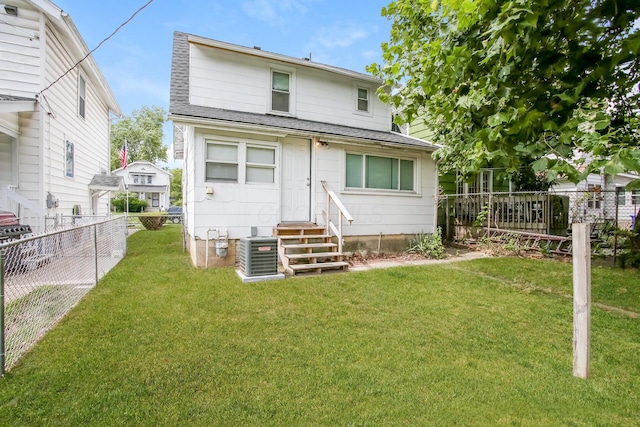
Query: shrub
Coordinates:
[135,204]
[428,245]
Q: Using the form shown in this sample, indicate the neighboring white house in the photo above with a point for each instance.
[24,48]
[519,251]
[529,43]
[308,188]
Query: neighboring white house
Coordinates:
[54,117]
[150,182]
[259,132]
[597,196]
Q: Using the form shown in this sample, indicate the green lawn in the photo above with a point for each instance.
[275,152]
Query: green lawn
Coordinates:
[478,343]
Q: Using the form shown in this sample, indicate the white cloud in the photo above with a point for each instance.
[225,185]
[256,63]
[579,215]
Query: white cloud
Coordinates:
[273,11]
[339,36]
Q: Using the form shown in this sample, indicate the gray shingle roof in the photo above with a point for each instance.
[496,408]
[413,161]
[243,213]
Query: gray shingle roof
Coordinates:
[181,108]
[106,183]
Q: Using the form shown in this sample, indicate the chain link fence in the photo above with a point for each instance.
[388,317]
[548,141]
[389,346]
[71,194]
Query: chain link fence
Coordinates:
[43,277]
[611,214]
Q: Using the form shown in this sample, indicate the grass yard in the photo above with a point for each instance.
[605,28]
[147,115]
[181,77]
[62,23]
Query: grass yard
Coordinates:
[480,343]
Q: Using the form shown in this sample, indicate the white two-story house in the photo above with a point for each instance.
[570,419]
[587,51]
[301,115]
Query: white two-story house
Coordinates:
[271,140]
[55,111]
[149,182]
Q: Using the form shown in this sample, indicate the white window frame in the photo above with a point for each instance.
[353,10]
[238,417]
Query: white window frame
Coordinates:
[69,159]
[484,177]
[82,96]
[292,90]
[367,99]
[242,164]
[364,188]
[356,97]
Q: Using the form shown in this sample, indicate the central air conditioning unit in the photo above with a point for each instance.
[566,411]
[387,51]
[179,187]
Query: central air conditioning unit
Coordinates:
[258,256]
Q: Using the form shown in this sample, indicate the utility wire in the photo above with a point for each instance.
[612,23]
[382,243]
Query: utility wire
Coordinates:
[97,47]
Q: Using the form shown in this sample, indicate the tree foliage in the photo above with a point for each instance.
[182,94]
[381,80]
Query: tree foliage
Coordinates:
[143,133]
[176,186]
[518,83]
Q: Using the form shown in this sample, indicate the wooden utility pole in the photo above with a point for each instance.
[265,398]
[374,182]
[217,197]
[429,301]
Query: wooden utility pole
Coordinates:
[581,299]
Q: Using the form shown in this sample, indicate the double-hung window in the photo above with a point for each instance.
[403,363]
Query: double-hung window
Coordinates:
[222,162]
[380,173]
[635,197]
[261,164]
[240,162]
[363,100]
[280,91]
[82,96]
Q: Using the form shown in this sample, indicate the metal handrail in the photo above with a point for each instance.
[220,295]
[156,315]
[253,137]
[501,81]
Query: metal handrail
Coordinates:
[343,213]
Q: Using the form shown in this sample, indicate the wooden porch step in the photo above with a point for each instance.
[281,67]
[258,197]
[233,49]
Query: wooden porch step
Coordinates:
[319,266]
[309,245]
[303,236]
[315,255]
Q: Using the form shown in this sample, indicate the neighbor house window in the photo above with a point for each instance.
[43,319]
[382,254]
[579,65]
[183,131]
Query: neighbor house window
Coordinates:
[363,100]
[240,162]
[261,164]
[479,183]
[142,179]
[635,197]
[280,91]
[222,162]
[155,200]
[375,172]
[82,96]
[595,197]
[69,159]
[621,196]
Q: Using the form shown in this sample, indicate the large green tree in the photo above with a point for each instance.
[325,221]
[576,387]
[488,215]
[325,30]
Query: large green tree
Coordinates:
[143,132]
[519,83]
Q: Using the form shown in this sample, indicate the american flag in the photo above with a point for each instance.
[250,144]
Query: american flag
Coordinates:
[123,155]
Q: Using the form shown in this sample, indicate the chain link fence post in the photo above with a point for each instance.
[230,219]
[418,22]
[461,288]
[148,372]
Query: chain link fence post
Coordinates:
[2,350]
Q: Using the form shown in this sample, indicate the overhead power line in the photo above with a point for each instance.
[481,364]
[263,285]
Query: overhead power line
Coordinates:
[97,47]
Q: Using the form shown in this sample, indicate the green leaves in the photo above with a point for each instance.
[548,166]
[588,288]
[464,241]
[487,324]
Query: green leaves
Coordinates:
[507,83]
[143,133]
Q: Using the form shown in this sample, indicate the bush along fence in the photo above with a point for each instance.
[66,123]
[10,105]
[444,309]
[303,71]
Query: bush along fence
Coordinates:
[612,216]
[43,277]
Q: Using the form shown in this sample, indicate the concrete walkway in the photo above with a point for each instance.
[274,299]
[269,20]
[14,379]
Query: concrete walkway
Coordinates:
[388,263]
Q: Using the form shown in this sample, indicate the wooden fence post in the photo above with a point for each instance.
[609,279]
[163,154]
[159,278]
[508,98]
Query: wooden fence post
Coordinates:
[581,299]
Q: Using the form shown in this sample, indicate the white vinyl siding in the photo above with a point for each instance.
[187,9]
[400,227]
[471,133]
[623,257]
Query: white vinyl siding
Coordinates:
[232,81]
[21,53]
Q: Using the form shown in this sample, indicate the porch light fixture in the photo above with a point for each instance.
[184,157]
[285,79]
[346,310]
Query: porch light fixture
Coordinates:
[323,144]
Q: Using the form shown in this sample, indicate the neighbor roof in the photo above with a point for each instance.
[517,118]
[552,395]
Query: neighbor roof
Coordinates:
[181,110]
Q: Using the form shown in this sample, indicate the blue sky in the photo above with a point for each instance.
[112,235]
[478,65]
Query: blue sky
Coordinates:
[137,60]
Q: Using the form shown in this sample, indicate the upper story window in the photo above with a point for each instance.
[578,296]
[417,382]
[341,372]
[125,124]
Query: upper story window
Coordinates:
[380,173]
[280,91]
[82,96]
[363,100]
[141,179]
